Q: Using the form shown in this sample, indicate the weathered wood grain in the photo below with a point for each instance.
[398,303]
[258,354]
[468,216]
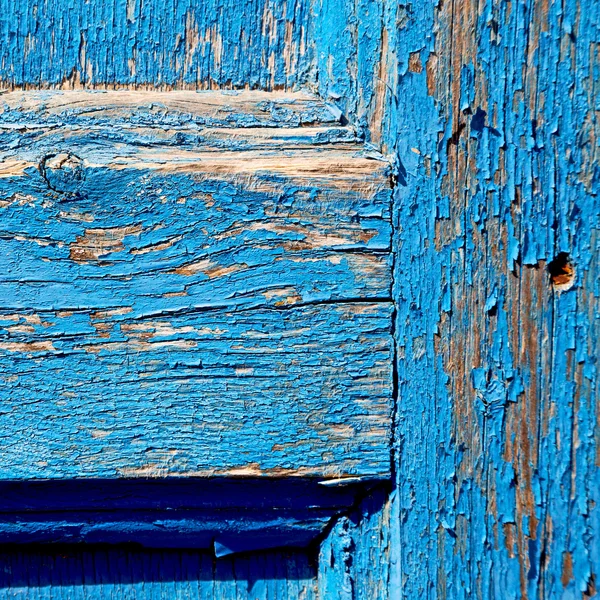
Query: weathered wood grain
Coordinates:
[213,121]
[356,559]
[299,391]
[491,111]
[175,311]
[255,44]
[154,109]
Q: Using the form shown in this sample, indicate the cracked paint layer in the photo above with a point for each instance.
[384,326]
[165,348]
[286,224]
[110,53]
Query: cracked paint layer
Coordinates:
[184,311]
[490,111]
[210,44]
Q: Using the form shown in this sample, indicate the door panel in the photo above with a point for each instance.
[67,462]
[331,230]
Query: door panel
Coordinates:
[171,307]
[196,324]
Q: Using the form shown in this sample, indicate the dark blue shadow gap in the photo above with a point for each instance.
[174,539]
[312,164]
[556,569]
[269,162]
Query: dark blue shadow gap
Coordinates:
[220,515]
[177,492]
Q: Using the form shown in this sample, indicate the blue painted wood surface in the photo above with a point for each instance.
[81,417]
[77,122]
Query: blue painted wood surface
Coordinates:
[489,112]
[176,306]
[214,43]
[130,573]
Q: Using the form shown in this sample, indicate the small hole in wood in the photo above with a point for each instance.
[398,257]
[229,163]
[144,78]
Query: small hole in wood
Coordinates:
[562,271]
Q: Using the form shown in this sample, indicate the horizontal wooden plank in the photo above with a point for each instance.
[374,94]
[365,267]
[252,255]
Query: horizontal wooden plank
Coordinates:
[221,532]
[168,309]
[159,243]
[250,134]
[175,108]
[301,391]
[111,126]
[127,496]
[322,170]
[43,138]
[205,121]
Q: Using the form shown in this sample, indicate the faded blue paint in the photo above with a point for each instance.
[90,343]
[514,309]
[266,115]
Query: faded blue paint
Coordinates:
[497,438]
[489,110]
[490,113]
[166,312]
[258,43]
[357,559]
[59,251]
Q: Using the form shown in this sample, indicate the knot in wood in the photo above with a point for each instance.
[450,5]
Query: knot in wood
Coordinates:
[63,172]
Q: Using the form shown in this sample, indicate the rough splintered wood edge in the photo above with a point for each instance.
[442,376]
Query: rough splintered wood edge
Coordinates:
[198,104]
[344,174]
[260,116]
[331,163]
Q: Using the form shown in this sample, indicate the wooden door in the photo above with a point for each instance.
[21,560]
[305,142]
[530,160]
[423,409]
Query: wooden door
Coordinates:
[302,301]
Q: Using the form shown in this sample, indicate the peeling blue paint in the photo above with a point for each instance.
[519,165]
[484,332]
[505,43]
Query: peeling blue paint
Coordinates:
[497,435]
[257,44]
[173,311]
[488,112]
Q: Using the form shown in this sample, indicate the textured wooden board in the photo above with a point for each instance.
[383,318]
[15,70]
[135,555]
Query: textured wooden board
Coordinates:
[303,391]
[257,43]
[176,311]
[356,559]
[491,110]
[182,109]
[73,573]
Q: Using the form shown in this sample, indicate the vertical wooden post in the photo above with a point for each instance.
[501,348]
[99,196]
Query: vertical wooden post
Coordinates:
[490,110]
